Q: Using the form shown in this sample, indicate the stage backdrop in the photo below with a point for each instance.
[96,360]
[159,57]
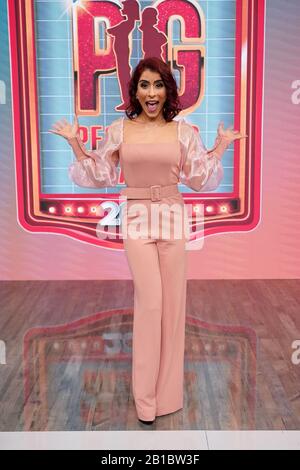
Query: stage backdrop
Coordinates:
[235,61]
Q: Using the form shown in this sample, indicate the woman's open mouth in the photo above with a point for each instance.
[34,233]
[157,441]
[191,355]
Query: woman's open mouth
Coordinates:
[152,106]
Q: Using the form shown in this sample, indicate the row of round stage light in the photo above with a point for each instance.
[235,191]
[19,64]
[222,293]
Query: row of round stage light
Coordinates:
[96,210]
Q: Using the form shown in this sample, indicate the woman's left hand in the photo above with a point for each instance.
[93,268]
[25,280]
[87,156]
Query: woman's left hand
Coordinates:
[230,133]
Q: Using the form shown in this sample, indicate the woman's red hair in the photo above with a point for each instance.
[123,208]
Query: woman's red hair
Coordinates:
[172,105]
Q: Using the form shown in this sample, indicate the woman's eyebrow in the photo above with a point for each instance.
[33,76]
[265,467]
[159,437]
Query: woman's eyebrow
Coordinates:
[160,80]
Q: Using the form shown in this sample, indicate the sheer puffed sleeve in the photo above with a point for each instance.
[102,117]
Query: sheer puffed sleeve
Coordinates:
[97,168]
[201,169]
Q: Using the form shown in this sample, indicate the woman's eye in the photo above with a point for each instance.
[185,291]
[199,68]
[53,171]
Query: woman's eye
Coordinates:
[159,85]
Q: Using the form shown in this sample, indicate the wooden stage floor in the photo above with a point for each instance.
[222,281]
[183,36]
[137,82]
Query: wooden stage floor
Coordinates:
[66,356]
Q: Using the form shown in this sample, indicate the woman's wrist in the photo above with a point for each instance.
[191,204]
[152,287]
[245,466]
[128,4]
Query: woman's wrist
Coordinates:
[78,148]
[222,142]
[72,138]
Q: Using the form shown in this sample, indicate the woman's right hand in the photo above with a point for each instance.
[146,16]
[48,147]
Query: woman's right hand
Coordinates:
[65,129]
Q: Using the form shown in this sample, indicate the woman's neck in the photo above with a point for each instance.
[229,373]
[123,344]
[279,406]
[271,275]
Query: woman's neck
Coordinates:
[157,121]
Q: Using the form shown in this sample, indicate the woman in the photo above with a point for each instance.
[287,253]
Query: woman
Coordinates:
[155,153]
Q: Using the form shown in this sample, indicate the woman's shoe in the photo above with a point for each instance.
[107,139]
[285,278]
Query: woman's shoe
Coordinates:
[146,422]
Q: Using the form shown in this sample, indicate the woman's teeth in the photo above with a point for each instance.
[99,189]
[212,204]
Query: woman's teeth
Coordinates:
[152,107]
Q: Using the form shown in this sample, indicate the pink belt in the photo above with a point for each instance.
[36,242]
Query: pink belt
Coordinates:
[155,192]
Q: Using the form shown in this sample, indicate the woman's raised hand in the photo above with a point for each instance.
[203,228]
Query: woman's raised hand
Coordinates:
[65,129]
[230,133]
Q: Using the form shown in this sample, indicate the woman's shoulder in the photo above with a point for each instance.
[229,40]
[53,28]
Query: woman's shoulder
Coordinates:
[185,124]
[114,131]
[186,129]
[117,122]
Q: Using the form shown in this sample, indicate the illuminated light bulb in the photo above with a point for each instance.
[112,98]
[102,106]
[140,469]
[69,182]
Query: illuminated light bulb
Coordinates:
[209,209]
[52,210]
[94,209]
[224,208]
[197,208]
[80,209]
[68,209]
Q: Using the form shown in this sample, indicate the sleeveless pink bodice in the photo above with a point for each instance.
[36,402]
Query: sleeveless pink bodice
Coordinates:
[147,164]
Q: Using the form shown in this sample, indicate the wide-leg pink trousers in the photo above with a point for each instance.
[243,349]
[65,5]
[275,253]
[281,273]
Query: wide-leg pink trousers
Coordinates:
[158,268]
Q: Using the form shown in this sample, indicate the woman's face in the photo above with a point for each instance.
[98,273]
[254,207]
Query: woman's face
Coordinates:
[151,88]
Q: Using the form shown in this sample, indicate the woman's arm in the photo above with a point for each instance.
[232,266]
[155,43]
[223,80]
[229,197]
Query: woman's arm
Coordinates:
[78,148]
[93,168]
[202,169]
[97,168]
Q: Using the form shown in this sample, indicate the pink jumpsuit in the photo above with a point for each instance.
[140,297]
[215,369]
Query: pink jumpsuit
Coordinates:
[157,263]
[158,268]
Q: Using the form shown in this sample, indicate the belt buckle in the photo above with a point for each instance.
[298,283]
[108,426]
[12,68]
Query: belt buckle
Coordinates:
[155,192]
